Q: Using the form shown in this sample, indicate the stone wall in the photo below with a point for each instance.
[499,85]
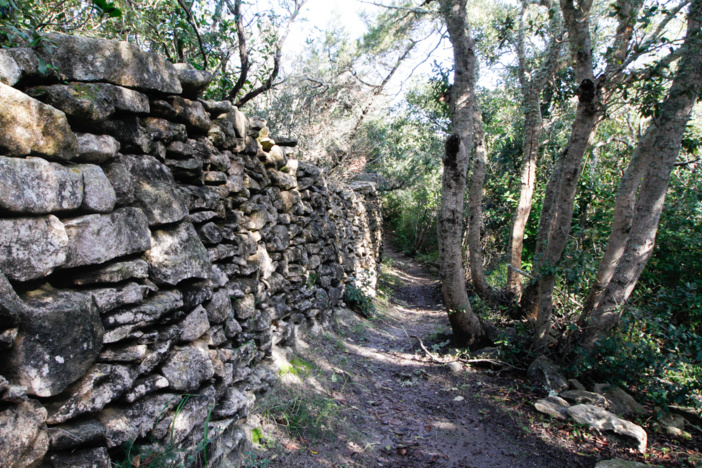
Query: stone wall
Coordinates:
[154,248]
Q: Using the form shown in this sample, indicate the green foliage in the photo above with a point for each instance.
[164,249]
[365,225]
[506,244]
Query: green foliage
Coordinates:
[650,355]
[359,301]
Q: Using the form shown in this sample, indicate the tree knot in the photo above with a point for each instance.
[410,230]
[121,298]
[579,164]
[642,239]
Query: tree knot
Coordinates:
[587,91]
[452,146]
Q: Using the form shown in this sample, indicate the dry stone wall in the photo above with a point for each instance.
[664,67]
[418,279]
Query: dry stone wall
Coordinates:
[154,248]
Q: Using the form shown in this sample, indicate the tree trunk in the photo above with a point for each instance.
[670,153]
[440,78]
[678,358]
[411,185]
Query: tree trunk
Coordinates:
[475,223]
[532,131]
[577,20]
[531,101]
[659,147]
[466,326]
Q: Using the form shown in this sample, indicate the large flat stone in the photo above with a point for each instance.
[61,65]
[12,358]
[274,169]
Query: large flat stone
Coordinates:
[91,102]
[28,126]
[95,239]
[135,421]
[32,247]
[60,335]
[148,311]
[121,63]
[113,273]
[108,299]
[34,185]
[604,421]
[177,254]
[75,434]
[102,384]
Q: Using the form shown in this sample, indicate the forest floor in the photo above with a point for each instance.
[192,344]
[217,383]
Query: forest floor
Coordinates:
[368,395]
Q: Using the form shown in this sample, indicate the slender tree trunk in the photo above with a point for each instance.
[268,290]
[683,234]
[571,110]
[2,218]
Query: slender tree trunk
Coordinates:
[555,234]
[466,326]
[659,147]
[621,222]
[475,220]
[532,86]
[532,131]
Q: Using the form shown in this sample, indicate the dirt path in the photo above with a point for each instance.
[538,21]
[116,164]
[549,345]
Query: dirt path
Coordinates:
[368,395]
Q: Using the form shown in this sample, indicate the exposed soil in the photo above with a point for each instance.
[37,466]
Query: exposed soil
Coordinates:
[368,395]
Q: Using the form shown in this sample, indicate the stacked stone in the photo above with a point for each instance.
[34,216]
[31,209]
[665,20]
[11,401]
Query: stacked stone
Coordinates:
[154,247]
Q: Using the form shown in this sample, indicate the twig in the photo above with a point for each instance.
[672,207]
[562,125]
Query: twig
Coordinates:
[496,362]
[434,358]
[429,353]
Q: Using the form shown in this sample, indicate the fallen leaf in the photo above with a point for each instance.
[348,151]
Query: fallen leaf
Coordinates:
[313,452]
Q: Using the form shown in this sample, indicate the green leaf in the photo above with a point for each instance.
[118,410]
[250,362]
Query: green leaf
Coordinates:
[106,8]
[257,436]
[42,66]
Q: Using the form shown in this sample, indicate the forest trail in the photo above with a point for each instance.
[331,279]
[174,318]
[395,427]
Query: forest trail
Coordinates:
[369,396]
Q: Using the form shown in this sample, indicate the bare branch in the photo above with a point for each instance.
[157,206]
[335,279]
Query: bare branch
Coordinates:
[191,22]
[243,53]
[418,11]
[268,84]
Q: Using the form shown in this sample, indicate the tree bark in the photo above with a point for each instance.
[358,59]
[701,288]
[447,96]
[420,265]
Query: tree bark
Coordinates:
[465,325]
[555,234]
[475,212]
[654,157]
[531,101]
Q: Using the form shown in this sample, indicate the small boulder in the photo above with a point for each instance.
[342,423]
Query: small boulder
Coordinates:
[194,325]
[136,420]
[98,195]
[76,434]
[96,149]
[553,406]
[545,372]
[155,190]
[619,401]
[102,384]
[193,81]
[582,396]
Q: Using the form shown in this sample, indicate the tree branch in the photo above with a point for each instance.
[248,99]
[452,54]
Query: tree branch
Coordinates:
[243,53]
[268,84]
[191,22]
